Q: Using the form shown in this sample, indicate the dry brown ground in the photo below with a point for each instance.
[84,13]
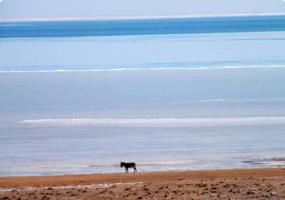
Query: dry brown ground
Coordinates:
[204,184]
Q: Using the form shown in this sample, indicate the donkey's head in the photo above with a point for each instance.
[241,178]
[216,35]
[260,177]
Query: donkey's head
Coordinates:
[122,164]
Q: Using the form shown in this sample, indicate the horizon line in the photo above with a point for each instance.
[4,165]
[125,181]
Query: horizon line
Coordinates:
[140,17]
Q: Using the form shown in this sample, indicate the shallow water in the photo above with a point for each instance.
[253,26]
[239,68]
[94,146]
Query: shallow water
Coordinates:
[189,101]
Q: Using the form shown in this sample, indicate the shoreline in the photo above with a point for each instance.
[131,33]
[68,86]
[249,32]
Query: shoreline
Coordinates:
[253,183]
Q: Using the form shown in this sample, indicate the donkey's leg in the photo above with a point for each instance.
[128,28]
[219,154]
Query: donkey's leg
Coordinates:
[135,169]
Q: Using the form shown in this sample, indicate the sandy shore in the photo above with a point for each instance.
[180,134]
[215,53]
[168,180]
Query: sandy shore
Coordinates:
[204,184]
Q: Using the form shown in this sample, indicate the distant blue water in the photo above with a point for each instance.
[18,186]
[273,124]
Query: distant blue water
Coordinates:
[212,99]
[73,28]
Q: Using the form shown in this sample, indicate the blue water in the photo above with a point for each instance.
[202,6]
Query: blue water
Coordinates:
[195,100]
[75,28]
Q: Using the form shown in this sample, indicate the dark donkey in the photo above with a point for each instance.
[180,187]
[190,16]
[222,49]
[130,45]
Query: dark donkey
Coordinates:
[129,165]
